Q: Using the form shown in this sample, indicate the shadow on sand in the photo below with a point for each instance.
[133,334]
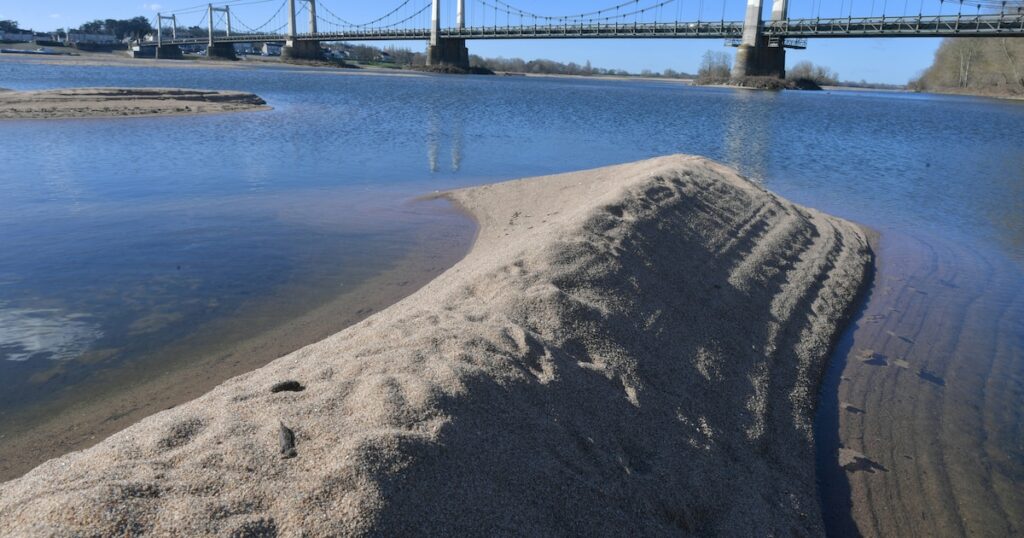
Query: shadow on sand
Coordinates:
[833,483]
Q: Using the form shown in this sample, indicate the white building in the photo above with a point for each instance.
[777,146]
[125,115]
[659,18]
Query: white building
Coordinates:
[27,37]
[91,39]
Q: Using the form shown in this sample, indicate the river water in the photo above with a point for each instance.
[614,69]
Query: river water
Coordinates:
[124,238]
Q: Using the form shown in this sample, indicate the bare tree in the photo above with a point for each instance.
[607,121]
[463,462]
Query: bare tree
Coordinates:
[715,68]
[819,74]
[966,50]
[1017,79]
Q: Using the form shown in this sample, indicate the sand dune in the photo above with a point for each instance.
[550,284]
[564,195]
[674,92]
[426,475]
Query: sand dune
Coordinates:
[119,102]
[632,350]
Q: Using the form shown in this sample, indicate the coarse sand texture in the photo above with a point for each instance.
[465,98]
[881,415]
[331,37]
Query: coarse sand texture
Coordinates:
[627,351]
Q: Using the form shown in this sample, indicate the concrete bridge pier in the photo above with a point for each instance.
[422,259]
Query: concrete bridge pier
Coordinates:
[302,50]
[759,61]
[224,51]
[757,56]
[450,51]
[168,52]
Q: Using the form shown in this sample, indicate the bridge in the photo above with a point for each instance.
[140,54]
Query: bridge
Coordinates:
[761,44]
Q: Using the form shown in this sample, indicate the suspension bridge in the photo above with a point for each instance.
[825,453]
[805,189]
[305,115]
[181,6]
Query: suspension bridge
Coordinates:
[761,43]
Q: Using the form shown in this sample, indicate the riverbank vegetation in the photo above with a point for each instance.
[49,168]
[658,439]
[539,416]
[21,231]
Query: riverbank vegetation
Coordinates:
[120,28]
[715,68]
[396,56]
[805,71]
[984,66]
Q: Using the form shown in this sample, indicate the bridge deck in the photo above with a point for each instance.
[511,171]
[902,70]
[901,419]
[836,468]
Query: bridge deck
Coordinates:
[1005,25]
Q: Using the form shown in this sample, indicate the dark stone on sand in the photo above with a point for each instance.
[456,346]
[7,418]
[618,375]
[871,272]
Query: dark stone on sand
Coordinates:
[288,386]
[287,439]
[863,464]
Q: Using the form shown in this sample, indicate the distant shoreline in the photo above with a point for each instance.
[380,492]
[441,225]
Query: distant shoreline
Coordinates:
[114,59]
[951,91]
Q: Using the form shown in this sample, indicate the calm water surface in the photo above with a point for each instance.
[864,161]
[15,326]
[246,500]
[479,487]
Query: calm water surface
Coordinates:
[119,237]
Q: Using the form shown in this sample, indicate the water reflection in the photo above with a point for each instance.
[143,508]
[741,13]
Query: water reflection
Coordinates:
[457,144]
[433,141]
[27,334]
[439,129]
[747,134]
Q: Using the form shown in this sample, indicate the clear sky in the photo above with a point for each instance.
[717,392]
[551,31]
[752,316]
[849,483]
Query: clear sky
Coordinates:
[891,60]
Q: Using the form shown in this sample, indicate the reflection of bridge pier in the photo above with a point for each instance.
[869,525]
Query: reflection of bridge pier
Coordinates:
[748,133]
[436,134]
[305,50]
[758,54]
[450,51]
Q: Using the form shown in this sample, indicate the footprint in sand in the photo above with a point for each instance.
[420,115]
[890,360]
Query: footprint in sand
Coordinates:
[871,358]
[931,377]
[851,408]
[904,338]
[852,461]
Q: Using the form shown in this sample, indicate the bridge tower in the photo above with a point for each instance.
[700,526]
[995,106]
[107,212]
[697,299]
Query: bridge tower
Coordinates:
[224,51]
[166,52]
[757,56]
[447,51]
[293,47]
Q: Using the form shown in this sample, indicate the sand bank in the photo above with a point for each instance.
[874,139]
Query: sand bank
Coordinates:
[120,102]
[628,350]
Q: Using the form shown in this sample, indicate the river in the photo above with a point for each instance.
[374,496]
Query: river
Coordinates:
[130,246]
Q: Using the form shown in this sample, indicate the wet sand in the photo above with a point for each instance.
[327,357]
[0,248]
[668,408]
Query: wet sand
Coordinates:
[632,349]
[927,409]
[123,102]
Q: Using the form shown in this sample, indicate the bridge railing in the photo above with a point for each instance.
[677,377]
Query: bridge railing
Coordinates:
[935,25]
[670,29]
[979,25]
[710,29]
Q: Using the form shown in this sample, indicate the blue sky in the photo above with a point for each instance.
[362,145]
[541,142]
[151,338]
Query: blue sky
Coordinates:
[892,60]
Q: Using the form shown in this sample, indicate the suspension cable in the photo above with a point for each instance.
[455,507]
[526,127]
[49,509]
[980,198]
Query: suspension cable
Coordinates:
[262,26]
[373,22]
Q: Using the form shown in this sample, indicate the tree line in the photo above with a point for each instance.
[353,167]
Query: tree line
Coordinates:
[976,65]
[551,67]
[540,66]
[120,28]
[404,56]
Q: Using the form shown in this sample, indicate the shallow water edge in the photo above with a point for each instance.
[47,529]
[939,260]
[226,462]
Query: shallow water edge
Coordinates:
[83,415]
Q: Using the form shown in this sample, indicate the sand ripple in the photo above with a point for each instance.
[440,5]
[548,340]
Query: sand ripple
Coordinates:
[633,350]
